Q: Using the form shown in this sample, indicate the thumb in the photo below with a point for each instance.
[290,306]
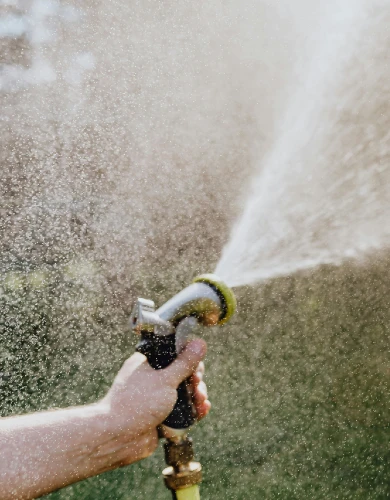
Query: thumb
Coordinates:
[186,362]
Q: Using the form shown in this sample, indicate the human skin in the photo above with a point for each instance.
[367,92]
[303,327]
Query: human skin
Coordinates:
[44,451]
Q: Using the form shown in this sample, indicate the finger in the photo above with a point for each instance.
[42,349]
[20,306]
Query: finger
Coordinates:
[200,369]
[195,379]
[186,363]
[200,392]
[203,409]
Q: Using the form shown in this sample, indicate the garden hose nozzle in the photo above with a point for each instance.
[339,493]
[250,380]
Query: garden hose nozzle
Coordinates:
[163,334]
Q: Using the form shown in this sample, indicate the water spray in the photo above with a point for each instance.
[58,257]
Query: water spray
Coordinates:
[163,334]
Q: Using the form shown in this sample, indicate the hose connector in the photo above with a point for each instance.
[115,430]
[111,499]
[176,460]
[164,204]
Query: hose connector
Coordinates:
[182,472]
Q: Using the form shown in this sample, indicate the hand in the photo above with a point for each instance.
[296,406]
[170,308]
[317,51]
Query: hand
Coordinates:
[41,452]
[141,398]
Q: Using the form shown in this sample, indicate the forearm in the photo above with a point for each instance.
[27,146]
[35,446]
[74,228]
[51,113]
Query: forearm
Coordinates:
[42,452]
[45,451]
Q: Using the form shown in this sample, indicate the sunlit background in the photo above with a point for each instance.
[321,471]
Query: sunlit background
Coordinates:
[140,142]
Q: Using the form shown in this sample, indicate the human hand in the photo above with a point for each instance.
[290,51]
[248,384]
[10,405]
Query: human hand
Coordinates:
[140,399]
[41,452]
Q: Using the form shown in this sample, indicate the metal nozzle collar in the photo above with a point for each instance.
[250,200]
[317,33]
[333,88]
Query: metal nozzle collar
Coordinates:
[228,300]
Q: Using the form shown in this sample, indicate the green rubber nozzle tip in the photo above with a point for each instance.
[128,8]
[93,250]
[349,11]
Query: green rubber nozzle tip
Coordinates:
[226,294]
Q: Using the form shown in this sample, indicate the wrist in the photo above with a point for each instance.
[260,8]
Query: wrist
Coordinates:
[99,445]
[118,439]
[117,420]
[102,442]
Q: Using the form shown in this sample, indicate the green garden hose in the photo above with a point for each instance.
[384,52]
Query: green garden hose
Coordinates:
[191,493]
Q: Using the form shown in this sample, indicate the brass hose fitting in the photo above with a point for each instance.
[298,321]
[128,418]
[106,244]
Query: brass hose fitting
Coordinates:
[182,471]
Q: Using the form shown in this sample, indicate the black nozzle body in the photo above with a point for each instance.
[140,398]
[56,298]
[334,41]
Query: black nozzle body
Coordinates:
[160,352]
